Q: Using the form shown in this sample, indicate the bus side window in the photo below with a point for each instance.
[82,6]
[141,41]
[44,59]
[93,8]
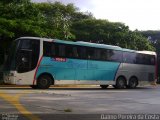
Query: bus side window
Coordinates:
[91,53]
[53,50]
[129,57]
[115,56]
[145,59]
[149,60]
[98,54]
[81,51]
[152,60]
[61,49]
[69,51]
[110,53]
[103,54]
[47,49]
[75,52]
[139,58]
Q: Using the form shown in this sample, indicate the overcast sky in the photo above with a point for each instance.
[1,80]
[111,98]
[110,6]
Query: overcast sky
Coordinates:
[137,14]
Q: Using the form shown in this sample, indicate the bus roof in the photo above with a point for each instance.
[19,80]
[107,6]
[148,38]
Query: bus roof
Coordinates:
[128,50]
[147,52]
[76,43]
[89,44]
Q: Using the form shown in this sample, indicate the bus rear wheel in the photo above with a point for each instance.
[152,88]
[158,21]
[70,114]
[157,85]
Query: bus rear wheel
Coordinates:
[133,82]
[44,82]
[120,83]
[104,86]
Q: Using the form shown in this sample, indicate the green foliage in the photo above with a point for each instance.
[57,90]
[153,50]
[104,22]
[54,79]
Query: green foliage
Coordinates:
[56,20]
[59,18]
[107,32]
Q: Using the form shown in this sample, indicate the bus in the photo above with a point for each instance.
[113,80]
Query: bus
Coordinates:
[42,62]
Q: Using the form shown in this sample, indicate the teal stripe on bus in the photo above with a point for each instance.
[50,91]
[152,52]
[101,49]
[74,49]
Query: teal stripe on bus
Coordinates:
[77,69]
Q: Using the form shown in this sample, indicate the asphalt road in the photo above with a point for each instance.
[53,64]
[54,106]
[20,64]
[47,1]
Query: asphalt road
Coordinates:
[88,103]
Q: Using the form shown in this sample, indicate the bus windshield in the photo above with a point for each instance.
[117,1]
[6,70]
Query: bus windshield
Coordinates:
[23,55]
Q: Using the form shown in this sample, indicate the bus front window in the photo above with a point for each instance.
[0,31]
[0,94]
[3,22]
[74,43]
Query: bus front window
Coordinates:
[27,55]
[23,55]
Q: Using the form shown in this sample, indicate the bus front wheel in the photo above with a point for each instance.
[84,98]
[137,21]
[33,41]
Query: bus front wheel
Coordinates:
[44,82]
[120,83]
[104,86]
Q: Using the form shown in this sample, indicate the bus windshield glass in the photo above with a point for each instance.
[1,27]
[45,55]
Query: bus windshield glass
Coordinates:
[23,55]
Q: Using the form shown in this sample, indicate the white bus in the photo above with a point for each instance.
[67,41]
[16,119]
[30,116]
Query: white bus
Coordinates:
[41,62]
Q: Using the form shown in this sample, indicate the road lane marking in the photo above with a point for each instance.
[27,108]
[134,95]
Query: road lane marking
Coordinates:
[14,100]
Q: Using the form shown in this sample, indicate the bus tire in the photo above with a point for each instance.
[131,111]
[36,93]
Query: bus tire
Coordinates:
[133,82]
[104,86]
[120,83]
[33,86]
[44,82]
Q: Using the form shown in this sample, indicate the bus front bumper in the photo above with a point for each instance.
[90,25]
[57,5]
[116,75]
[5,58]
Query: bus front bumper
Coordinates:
[9,78]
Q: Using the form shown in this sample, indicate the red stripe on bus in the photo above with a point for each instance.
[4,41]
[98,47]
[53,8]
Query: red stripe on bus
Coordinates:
[34,79]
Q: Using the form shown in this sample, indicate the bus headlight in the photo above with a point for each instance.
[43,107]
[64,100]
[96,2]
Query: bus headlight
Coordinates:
[11,74]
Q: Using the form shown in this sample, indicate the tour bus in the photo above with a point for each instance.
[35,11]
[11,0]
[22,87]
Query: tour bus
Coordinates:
[42,62]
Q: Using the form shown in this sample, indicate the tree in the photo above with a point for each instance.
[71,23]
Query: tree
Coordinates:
[59,18]
[56,20]
[19,18]
[103,31]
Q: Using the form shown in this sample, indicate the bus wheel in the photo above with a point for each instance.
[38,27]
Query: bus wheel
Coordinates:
[44,82]
[34,86]
[120,83]
[104,86]
[133,82]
